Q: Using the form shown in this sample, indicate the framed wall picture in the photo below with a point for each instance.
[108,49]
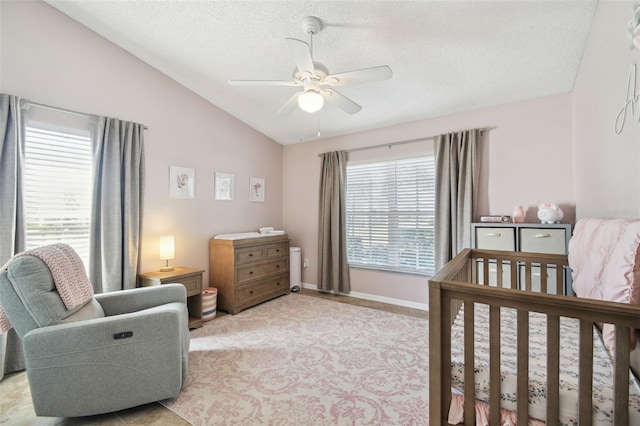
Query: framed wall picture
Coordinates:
[224,187]
[256,189]
[182,182]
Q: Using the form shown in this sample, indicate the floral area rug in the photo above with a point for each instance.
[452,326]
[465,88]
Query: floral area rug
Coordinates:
[301,360]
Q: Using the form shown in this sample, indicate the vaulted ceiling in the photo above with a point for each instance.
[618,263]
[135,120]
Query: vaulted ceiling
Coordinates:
[446,56]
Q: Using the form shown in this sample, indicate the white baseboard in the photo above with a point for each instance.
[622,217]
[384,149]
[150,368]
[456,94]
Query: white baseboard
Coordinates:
[375,298]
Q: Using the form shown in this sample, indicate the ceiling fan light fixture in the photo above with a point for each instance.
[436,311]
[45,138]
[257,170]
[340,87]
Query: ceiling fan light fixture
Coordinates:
[310,101]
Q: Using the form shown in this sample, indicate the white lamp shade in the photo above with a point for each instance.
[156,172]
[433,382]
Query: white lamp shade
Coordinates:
[310,101]
[167,247]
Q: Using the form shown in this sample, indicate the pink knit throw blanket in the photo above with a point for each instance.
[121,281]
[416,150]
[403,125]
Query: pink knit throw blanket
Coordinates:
[68,274]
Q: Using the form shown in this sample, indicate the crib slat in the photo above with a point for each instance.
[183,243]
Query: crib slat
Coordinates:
[514,275]
[485,271]
[445,330]
[621,377]
[560,280]
[585,368]
[435,355]
[553,369]
[469,363]
[527,275]
[522,403]
[494,365]
[543,278]
[499,273]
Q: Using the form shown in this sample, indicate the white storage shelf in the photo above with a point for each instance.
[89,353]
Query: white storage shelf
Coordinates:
[524,237]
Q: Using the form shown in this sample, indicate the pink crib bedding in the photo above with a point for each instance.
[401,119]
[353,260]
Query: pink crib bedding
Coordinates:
[602,375]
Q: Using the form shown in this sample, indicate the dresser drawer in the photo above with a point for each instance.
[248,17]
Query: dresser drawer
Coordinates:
[496,238]
[493,274]
[276,250]
[247,292]
[192,284]
[249,254]
[543,240]
[251,272]
[552,284]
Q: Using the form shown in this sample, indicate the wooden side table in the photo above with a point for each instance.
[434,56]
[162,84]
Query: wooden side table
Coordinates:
[188,277]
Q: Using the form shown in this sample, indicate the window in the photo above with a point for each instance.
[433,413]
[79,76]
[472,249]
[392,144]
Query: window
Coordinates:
[58,173]
[390,215]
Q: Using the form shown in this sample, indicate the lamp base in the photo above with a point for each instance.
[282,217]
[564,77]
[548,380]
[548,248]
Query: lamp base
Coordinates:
[166,269]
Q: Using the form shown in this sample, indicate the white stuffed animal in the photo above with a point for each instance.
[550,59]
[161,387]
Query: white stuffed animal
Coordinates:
[549,213]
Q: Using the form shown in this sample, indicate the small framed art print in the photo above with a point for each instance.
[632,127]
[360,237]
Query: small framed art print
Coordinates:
[182,182]
[224,187]
[256,189]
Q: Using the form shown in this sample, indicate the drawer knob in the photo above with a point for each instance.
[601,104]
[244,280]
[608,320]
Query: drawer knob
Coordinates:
[543,235]
[277,266]
[494,235]
[250,254]
[250,291]
[278,283]
[250,272]
[277,250]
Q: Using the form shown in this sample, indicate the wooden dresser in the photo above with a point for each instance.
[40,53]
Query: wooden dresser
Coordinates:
[248,271]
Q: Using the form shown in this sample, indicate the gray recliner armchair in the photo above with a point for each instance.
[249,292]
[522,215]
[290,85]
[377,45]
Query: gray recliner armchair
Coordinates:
[120,350]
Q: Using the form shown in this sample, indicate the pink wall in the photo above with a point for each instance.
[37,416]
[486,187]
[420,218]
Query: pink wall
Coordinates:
[51,59]
[557,149]
[607,166]
[526,160]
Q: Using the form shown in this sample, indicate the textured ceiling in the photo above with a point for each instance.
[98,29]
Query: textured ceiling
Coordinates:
[446,56]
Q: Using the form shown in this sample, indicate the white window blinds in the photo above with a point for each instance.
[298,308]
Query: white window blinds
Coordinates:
[390,215]
[57,191]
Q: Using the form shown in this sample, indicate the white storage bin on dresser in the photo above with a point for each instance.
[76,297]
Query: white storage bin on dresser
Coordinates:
[524,237]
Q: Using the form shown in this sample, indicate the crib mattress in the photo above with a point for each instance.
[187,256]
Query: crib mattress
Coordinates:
[569,356]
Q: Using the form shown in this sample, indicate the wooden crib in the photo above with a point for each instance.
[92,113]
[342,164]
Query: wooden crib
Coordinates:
[458,283]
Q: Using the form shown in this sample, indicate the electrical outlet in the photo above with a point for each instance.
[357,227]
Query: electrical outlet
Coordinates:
[306,263]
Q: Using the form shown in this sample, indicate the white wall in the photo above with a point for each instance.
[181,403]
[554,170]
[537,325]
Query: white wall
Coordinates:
[50,59]
[526,160]
[607,166]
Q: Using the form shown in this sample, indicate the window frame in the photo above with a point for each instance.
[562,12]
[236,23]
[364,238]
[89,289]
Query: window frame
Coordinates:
[423,213]
[80,155]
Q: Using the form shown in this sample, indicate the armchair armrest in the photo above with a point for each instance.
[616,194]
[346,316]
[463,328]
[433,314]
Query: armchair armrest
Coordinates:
[69,365]
[137,299]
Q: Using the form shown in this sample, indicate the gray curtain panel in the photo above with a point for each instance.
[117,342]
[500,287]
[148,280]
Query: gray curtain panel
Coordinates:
[333,270]
[456,192]
[13,115]
[118,190]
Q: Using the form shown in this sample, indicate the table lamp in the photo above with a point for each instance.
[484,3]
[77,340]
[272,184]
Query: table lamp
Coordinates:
[167,251]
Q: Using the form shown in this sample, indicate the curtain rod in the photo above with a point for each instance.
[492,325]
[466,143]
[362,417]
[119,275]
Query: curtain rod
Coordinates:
[389,145]
[68,111]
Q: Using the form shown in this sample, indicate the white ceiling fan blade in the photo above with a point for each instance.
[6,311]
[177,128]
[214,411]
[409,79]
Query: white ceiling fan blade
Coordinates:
[301,54]
[262,83]
[359,76]
[341,101]
[291,104]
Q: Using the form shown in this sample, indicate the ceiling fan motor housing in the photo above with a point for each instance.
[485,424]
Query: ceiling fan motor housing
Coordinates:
[311,25]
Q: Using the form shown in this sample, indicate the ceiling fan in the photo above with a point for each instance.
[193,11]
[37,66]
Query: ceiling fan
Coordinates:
[315,79]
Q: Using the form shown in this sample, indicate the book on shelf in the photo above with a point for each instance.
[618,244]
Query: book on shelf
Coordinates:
[495,219]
